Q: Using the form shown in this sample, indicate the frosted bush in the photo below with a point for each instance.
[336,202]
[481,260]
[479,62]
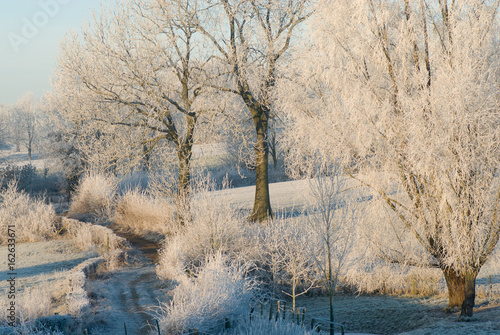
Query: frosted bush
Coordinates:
[144,214]
[215,227]
[95,238]
[93,198]
[220,291]
[285,255]
[32,219]
[89,236]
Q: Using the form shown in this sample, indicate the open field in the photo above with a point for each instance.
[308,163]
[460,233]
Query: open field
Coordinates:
[131,293]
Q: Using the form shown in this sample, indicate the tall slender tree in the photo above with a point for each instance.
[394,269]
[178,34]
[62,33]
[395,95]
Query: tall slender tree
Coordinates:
[23,122]
[251,38]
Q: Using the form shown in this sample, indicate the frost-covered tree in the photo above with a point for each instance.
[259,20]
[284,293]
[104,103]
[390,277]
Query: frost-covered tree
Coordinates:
[23,122]
[4,117]
[408,92]
[251,38]
[284,248]
[139,64]
[15,132]
[332,219]
[29,116]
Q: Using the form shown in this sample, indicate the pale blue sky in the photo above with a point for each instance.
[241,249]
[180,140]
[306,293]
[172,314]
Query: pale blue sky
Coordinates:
[27,56]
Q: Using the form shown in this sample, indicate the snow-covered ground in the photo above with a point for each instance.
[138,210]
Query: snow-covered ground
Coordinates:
[386,314]
[129,295]
[13,158]
[285,196]
[42,271]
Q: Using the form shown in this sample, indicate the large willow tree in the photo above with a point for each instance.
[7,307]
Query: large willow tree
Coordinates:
[409,91]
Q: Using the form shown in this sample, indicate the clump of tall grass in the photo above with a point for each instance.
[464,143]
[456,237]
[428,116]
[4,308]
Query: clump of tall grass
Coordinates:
[93,198]
[259,325]
[214,227]
[218,292]
[42,300]
[394,279]
[94,238]
[31,219]
[145,215]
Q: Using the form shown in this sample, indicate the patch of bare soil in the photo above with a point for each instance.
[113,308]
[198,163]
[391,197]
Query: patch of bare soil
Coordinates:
[148,248]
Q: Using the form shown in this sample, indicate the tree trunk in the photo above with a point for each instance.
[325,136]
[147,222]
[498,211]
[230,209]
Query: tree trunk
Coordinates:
[461,290]
[332,317]
[182,201]
[272,147]
[146,157]
[262,204]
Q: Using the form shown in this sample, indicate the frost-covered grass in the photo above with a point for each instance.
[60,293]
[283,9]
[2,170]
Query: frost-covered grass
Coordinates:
[96,239]
[144,214]
[33,302]
[93,198]
[50,279]
[219,291]
[394,279]
[32,219]
[29,328]
[262,325]
[215,226]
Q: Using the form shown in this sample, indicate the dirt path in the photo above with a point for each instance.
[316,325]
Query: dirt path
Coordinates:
[146,247]
[127,296]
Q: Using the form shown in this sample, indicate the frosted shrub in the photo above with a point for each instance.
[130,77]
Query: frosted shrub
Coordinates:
[215,228]
[93,198]
[144,214]
[33,219]
[95,238]
[90,236]
[220,291]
